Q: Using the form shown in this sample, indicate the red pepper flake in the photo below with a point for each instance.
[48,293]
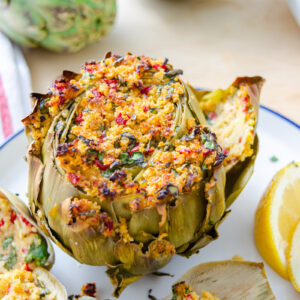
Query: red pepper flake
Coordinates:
[134,149]
[164,67]
[240,139]
[212,115]
[157,66]
[79,118]
[27,267]
[13,216]
[225,151]
[23,250]
[100,165]
[188,151]
[149,151]
[245,99]
[110,81]
[97,94]
[25,221]
[62,100]
[73,178]
[8,289]
[206,152]
[2,222]
[145,109]
[120,120]
[145,90]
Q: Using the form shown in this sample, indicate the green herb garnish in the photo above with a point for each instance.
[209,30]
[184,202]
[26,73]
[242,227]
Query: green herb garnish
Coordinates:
[7,241]
[137,157]
[37,253]
[274,158]
[11,260]
[124,157]
[209,145]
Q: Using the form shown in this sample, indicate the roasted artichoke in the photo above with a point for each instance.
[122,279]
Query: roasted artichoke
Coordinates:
[125,169]
[229,279]
[57,25]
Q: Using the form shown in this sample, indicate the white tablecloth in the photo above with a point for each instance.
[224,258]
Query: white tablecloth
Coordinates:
[15,87]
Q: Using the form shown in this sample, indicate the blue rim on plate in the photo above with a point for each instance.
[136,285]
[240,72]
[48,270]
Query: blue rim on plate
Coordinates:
[261,106]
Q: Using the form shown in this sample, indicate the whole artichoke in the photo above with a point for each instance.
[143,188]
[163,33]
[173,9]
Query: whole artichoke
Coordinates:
[57,25]
[124,169]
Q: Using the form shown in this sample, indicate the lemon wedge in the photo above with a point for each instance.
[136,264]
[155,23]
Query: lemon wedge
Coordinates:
[277,216]
[294,258]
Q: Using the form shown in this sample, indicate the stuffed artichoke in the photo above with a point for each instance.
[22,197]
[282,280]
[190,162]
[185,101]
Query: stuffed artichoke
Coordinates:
[59,25]
[125,169]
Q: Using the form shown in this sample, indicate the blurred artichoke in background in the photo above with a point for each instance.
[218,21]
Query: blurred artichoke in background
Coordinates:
[125,169]
[57,25]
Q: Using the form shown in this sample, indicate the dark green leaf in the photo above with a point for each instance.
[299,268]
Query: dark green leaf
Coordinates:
[92,151]
[137,157]
[124,157]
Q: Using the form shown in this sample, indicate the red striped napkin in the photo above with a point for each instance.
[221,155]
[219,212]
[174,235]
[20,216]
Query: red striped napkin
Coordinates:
[15,87]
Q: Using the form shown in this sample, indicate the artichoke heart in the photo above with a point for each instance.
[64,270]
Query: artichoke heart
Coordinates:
[124,168]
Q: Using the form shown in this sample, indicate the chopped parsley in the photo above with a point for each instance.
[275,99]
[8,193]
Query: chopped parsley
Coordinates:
[274,158]
[7,241]
[37,253]
[11,260]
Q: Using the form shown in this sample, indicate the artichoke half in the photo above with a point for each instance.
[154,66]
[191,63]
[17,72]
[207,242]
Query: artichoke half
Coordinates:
[229,279]
[125,169]
[57,25]
[22,242]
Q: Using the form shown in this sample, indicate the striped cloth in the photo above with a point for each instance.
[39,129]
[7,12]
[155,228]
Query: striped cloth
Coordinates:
[15,87]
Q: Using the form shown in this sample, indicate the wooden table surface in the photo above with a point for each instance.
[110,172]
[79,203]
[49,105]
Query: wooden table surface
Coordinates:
[213,41]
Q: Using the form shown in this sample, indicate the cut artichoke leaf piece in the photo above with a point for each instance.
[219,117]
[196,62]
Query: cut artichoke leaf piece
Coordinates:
[231,279]
[21,208]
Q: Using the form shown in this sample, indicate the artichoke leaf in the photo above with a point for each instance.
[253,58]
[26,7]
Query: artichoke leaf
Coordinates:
[185,217]
[239,175]
[144,224]
[135,262]
[216,195]
[35,176]
[21,208]
[194,105]
[120,279]
[204,239]
[89,245]
[231,279]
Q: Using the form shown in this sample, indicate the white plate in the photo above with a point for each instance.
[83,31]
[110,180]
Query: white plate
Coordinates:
[278,136]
